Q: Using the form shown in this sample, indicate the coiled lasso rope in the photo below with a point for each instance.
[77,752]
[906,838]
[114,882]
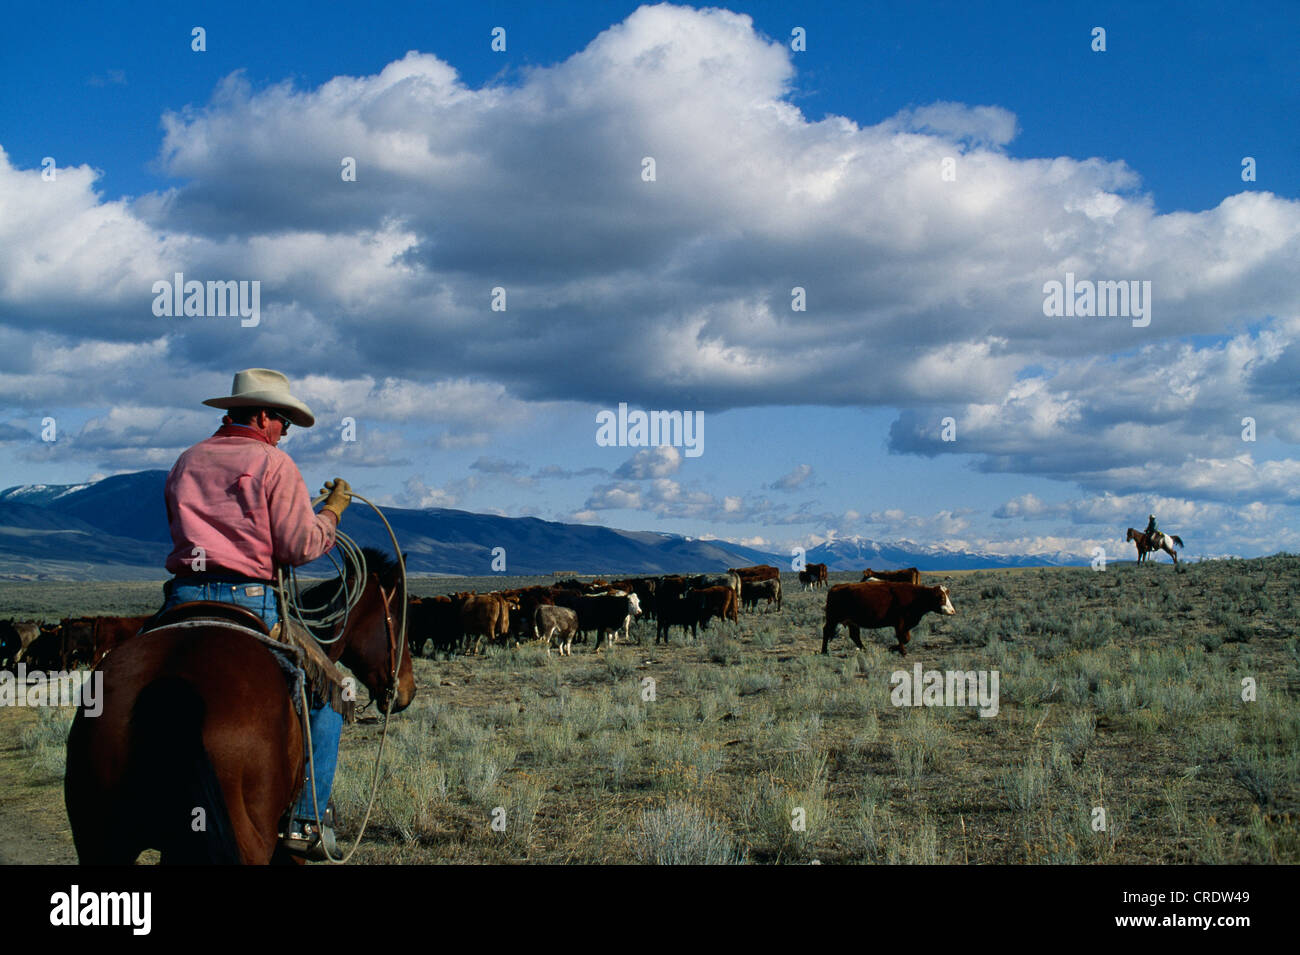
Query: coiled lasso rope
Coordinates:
[351,585]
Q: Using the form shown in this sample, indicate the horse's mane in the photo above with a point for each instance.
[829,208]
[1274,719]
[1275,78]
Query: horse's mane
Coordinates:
[376,562]
[379,562]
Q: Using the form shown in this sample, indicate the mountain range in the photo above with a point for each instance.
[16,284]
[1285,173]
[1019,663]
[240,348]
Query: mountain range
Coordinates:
[116,529]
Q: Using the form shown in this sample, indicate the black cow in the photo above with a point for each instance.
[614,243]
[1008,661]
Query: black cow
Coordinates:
[682,611]
[603,613]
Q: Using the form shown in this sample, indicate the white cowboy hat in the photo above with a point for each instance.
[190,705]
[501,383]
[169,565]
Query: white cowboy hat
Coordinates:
[258,387]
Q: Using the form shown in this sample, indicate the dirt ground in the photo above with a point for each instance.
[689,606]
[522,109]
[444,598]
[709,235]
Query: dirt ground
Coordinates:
[33,828]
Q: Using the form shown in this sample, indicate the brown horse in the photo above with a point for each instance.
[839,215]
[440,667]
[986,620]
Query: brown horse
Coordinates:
[198,751]
[1146,545]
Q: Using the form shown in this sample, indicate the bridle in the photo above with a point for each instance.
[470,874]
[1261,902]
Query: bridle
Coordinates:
[394,652]
[395,645]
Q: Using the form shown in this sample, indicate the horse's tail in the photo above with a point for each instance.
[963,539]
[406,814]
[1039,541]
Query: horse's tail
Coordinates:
[1176,539]
[175,789]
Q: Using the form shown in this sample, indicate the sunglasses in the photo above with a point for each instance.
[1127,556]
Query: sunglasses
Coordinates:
[285,422]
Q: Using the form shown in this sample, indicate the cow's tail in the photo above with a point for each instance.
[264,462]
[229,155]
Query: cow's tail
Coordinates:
[176,793]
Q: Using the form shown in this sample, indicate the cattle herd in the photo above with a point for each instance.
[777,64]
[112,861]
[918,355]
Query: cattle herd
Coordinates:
[558,614]
[571,609]
[66,644]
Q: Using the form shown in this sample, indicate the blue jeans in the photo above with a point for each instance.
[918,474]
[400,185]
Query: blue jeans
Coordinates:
[326,725]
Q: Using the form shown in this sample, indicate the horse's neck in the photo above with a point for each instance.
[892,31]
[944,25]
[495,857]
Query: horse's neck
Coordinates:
[370,602]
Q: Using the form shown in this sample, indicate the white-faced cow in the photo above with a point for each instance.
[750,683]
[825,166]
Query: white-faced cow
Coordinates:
[885,604]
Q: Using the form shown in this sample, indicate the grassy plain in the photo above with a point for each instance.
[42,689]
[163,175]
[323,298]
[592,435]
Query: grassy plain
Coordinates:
[1120,691]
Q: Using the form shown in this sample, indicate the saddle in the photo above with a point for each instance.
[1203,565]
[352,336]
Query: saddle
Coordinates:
[207,610]
[293,647]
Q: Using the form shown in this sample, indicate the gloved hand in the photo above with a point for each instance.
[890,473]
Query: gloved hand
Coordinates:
[339,492]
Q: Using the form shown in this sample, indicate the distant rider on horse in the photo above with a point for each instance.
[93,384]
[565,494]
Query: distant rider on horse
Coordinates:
[237,506]
[1153,535]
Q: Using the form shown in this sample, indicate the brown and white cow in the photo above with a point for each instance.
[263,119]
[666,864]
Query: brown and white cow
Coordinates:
[560,622]
[752,591]
[871,606]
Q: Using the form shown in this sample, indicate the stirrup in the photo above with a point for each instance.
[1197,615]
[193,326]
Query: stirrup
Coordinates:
[303,838]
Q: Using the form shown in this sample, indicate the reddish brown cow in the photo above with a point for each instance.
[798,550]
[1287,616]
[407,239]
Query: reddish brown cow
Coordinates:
[758,572]
[485,615]
[821,574]
[77,641]
[111,632]
[883,604]
[523,604]
[909,576]
[717,602]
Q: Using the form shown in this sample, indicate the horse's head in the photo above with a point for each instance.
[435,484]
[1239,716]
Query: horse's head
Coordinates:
[371,640]
[1130,537]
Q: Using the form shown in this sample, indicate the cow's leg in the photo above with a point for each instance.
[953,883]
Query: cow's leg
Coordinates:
[904,635]
[855,634]
[828,633]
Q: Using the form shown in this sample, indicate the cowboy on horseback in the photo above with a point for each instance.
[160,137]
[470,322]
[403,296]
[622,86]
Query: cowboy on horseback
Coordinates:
[237,506]
[1153,535]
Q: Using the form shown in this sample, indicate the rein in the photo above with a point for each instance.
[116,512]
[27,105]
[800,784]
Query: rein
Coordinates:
[351,590]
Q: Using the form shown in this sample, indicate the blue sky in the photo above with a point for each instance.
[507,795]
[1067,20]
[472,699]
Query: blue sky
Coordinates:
[821,168]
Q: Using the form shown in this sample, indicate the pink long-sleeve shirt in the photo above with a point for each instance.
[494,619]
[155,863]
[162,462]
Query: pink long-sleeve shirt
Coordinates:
[245,503]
